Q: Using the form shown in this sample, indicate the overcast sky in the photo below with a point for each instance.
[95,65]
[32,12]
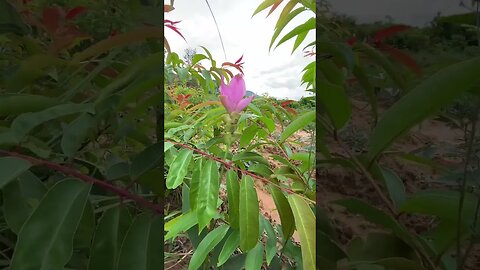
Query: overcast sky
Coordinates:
[277,73]
[413,12]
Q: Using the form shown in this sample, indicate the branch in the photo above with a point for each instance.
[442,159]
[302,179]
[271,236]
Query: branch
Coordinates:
[230,165]
[72,172]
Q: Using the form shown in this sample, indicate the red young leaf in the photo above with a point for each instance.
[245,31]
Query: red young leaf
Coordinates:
[176,30]
[170,22]
[291,110]
[352,41]
[51,17]
[287,102]
[239,59]
[274,6]
[72,13]
[402,57]
[389,31]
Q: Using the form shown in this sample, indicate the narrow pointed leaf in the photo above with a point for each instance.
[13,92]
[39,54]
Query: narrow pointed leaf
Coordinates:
[11,168]
[179,168]
[194,184]
[249,209]
[284,211]
[305,27]
[229,247]
[271,245]
[24,123]
[146,160]
[254,258]
[233,193]
[297,124]
[264,5]
[111,230]
[142,248]
[208,244]
[305,224]
[209,189]
[181,223]
[425,99]
[45,241]
[20,199]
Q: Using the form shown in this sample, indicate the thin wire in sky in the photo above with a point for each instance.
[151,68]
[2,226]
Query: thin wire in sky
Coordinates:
[218,30]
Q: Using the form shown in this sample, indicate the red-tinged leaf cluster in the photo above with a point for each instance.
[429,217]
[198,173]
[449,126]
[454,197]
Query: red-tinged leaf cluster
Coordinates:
[378,42]
[285,104]
[238,64]
[171,24]
[182,100]
[58,23]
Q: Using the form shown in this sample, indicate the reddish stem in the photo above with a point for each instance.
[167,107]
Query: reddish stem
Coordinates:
[72,172]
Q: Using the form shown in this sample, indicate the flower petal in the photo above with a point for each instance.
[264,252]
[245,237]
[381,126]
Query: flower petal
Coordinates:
[237,89]
[243,103]
[229,106]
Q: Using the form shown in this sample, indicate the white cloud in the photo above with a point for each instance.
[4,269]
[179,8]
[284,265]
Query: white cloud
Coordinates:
[242,35]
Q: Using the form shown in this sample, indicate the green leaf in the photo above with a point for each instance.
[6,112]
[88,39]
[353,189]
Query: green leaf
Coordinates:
[45,241]
[397,263]
[140,248]
[111,230]
[86,228]
[179,168]
[284,210]
[208,244]
[261,170]
[281,23]
[395,187]
[297,124]
[180,224]
[249,156]
[300,38]
[146,160]
[233,193]
[249,209]
[74,134]
[375,215]
[194,183]
[208,188]
[335,102]
[271,245]
[248,134]
[427,98]
[268,122]
[441,203]
[385,63]
[24,123]
[305,27]
[229,247]
[11,168]
[20,199]
[305,224]
[254,258]
[20,103]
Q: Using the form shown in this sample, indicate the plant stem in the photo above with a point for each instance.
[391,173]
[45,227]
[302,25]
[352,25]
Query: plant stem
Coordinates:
[463,185]
[72,172]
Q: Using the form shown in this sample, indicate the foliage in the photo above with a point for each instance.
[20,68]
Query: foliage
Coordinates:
[216,160]
[353,61]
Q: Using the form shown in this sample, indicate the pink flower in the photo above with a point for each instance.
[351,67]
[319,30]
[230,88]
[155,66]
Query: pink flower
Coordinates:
[232,95]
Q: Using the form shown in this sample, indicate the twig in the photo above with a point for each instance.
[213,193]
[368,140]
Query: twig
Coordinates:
[179,261]
[72,172]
